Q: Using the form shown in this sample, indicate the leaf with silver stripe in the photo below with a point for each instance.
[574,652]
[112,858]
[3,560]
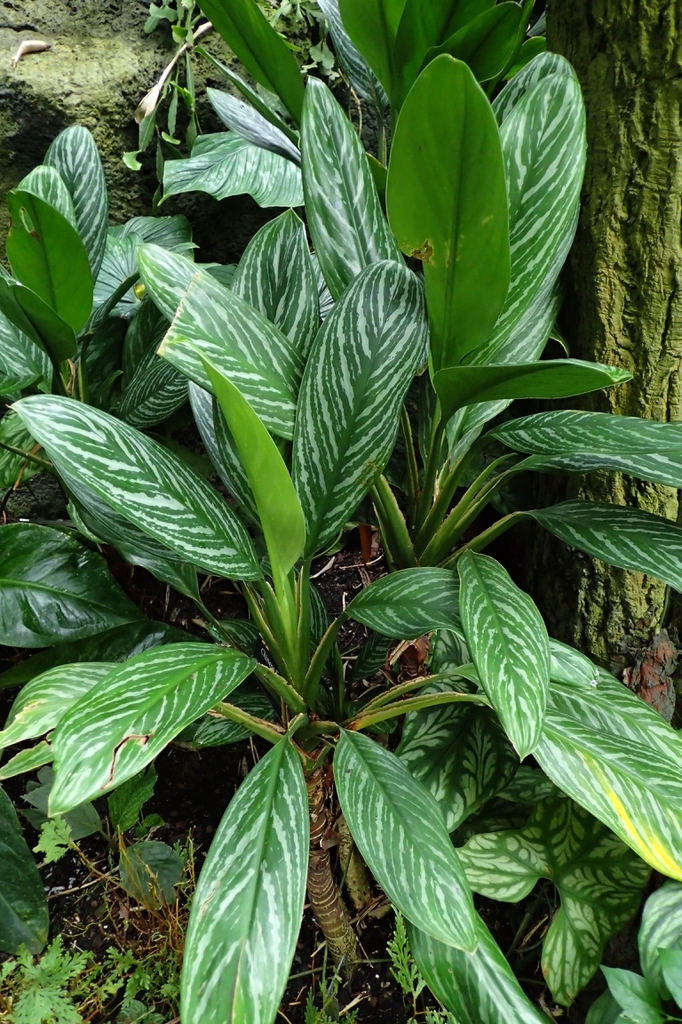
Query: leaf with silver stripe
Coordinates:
[249,124]
[223,164]
[173,233]
[616,757]
[580,442]
[478,988]
[345,218]
[400,832]
[166,276]
[27,760]
[212,730]
[119,262]
[360,367]
[156,391]
[459,752]
[254,354]
[509,646]
[126,719]
[625,537]
[542,66]
[408,603]
[352,63]
[276,276]
[46,183]
[42,703]
[661,929]
[144,482]
[599,880]
[247,909]
[21,359]
[74,155]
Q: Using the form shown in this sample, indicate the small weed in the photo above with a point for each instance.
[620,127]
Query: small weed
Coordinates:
[403,967]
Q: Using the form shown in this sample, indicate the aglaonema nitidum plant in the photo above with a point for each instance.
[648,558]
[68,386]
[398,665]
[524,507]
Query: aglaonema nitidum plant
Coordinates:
[300,419]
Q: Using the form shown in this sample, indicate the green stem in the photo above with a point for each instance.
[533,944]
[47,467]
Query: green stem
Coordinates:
[319,659]
[411,457]
[442,502]
[393,525]
[403,688]
[29,458]
[258,726]
[83,389]
[279,686]
[263,625]
[487,537]
[431,472]
[416,704]
[382,148]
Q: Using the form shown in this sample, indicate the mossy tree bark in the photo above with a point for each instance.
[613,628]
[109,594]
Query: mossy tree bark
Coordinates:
[624,298]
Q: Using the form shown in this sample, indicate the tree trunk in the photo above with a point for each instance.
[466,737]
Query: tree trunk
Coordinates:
[623,303]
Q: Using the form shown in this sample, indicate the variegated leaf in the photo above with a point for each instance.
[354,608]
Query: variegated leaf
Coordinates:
[215,323]
[223,164]
[542,66]
[661,929]
[212,730]
[360,367]
[409,603]
[580,442]
[42,703]
[166,276]
[345,218]
[276,276]
[459,752]
[616,757]
[123,722]
[245,121]
[400,832]
[27,760]
[599,879]
[509,646]
[355,67]
[142,481]
[46,183]
[156,391]
[246,912]
[15,467]
[625,537]
[173,233]
[479,987]
[119,263]
[74,155]
[21,360]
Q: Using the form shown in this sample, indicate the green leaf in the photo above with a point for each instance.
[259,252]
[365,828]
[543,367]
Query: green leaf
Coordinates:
[509,646]
[400,832]
[409,603]
[48,257]
[21,359]
[421,27]
[53,590]
[661,929]
[487,43]
[360,367]
[372,25]
[459,752]
[246,913]
[215,324]
[27,760]
[23,908]
[126,802]
[37,320]
[43,702]
[173,233]
[47,184]
[262,51]
[116,644]
[216,731]
[131,473]
[479,987]
[633,993]
[166,277]
[346,222]
[74,155]
[278,506]
[447,205]
[150,870]
[616,757]
[625,537]
[458,386]
[224,164]
[156,391]
[253,126]
[276,276]
[355,67]
[13,467]
[120,725]
[599,880]
[671,965]
[605,1011]
[119,264]
[580,442]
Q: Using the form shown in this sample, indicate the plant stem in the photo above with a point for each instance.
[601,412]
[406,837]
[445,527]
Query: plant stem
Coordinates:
[415,704]
[258,726]
[430,472]
[487,537]
[319,659]
[392,523]
[402,688]
[279,686]
[29,457]
[411,457]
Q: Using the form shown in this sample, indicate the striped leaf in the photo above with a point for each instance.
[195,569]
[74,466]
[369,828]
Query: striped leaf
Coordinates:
[661,929]
[478,988]
[217,325]
[27,760]
[173,233]
[361,365]
[54,590]
[156,391]
[509,646]
[625,537]
[599,879]
[409,603]
[21,359]
[223,164]
[246,912]
[126,719]
[345,219]
[15,467]
[142,481]
[542,66]
[213,730]
[37,320]
[24,917]
[400,832]
[616,757]
[447,204]
[251,125]
[42,703]
[580,442]
[276,277]
[166,276]
[459,752]
[73,154]
[48,185]
[353,64]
